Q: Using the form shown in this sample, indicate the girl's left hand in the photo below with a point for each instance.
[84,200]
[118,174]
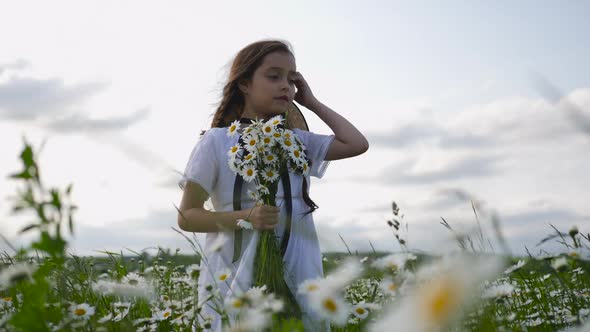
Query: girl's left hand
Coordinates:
[304,96]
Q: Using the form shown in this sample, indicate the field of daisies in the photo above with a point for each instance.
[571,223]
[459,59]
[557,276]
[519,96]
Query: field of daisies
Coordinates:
[43,288]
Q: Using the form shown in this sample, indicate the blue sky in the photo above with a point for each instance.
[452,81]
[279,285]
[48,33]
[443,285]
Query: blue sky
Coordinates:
[447,93]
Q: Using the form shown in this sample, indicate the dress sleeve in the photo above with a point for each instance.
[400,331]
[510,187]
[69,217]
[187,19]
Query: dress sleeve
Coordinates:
[202,165]
[316,146]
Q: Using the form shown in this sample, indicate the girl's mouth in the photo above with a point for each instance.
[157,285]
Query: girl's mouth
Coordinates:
[282,98]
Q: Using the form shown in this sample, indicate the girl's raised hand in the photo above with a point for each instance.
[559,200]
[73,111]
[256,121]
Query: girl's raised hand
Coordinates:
[264,217]
[303,96]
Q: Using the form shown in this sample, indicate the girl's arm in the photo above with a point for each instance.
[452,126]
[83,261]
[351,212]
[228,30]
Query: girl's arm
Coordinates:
[349,141]
[192,217]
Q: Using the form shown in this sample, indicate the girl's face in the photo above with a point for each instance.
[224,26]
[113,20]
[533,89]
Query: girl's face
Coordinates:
[271,88]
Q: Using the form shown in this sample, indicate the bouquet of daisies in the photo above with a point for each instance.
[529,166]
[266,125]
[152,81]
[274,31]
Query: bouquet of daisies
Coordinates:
[267,151]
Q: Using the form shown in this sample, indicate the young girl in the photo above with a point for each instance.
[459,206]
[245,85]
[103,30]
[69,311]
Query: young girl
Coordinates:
[263,82]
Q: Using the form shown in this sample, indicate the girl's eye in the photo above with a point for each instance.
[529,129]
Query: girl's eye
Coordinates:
[273,76]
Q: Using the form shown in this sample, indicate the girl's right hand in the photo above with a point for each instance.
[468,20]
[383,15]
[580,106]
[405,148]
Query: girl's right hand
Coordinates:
[264,217]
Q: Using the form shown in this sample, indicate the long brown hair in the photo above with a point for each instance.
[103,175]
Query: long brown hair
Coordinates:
[231,106]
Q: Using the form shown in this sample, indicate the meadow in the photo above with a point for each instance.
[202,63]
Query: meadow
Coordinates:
[44,288]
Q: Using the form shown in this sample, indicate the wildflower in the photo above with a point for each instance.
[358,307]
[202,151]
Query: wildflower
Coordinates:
[268,129]
[297,156]
[270,159]
[559,264]
[16,273]
[133,279]
[106,318]
[249,173]
[81,311]
[223,275]
[436,302]
[270,174]
[389,287]
[233,128]
[234,304]
[360,311]
[164,314]
[499,291]
[233,151]
[251,141]
[276,120]
[267,141]
[515,267]
[192,270]
[244,224]
[262,189]
[287,144]
[393,262]
[254,195]
[309,286]
[330,306]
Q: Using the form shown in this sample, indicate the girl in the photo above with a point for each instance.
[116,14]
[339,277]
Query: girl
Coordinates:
[263,82]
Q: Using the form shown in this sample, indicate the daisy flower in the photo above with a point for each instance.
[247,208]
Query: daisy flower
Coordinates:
[388,286]
[192,270]
[133,279]
[233,128]
[250,157]
[234,304]
[288,144]
[278,136]
[296,155]
[270,174]
[244,224]
[81,311]
[249,173]
[233,151]
[276,120]
[164,314]
[268,129]
[270,158]
[262,189]
[254,195]
[309,286]
[559,264]
[267,141]
[304,168]
[360,310]
[330,306]
[515,267]
[223,275]
[288,134]
[251,141]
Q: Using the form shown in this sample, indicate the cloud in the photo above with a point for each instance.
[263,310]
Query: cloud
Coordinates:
[18,64]
[31,99]
[521,120]
[469,167]
[79,122]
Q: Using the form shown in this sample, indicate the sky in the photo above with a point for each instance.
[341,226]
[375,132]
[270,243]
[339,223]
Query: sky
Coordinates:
[472,109]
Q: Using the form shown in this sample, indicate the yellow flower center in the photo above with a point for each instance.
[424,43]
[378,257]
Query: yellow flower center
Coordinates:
[267,140]
[80,312]
[275,122]
[270,174]
[270,157]
[392,287]
[7,299]
[233,128]
[248,157]
[440,300]
[234,149]
[223,277]
[296,153]
[267,129]
[311,288]
[166,298]
[277,134]
[250,172]
[330,305]
[167,314]
[237,303]
[288,142]
[360,311]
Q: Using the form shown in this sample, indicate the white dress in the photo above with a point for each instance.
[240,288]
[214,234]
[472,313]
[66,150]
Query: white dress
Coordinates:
[208,166]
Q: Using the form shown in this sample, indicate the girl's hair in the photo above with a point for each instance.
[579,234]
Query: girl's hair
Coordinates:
[231,106]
